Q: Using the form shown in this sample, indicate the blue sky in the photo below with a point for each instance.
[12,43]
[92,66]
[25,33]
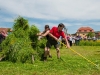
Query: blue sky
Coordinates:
[73,13]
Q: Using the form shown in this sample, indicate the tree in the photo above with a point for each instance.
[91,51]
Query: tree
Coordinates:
[90,34]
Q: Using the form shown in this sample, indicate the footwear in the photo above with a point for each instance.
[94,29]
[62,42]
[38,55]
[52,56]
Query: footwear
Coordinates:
[45,58]
[50,56]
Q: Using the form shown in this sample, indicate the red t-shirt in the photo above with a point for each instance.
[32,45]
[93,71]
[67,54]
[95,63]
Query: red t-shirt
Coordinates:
[54,32]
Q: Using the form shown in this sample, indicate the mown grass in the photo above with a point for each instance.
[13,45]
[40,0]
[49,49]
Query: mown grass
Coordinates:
[69,64]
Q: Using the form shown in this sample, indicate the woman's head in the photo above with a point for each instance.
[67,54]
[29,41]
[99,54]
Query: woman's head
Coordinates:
[47,27]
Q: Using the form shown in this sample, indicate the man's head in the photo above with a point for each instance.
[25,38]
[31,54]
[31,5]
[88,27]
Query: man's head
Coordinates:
[61,26]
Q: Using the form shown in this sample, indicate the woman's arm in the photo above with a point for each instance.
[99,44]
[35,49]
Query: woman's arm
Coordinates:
[39,34]
[46,33]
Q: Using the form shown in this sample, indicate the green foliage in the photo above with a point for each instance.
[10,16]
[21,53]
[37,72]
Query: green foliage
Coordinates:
[17,46]
[22,44]
[20,33]
[18,49]
[69,64]
[20,23]
[33,36]
[89,43]
[90,34]
[42,43]
[38,45]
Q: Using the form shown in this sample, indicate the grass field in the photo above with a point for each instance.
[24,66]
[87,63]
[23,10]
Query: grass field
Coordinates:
[69,64]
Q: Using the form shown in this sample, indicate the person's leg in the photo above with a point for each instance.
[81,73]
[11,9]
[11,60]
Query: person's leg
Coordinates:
[70,43]
[49,52]
[47,48]
[45,54]
[55,43]
[58,53]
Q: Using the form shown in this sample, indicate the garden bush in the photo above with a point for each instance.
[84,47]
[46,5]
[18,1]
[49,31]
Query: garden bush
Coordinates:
[89,43]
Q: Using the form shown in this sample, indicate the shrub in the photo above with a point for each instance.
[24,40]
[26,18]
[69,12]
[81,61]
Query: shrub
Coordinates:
[17,46]
[23,44]
[33,36]
[89,43]
[17,49]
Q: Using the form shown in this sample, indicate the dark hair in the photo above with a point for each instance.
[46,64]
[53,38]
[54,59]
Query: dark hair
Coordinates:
[61,25]
[46,26]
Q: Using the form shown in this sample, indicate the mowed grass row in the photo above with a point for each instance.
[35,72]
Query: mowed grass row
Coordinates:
[69,64]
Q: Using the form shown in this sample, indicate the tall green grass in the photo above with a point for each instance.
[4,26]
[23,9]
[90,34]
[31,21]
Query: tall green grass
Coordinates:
[69,64]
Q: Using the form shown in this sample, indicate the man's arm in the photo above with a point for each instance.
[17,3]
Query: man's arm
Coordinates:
[48,33]
[53,36]
[67,44]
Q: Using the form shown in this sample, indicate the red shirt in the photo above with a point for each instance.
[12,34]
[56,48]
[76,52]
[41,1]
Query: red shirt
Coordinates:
[54,31]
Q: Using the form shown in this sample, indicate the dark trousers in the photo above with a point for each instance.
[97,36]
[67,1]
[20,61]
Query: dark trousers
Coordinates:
[70,42]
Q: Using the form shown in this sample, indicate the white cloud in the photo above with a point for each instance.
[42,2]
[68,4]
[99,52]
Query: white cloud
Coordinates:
[77,11]
[54,9]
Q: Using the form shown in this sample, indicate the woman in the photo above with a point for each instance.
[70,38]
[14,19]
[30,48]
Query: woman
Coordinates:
[47,50]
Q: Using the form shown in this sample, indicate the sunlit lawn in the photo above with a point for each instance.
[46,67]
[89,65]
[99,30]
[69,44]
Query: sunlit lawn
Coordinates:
[69,64]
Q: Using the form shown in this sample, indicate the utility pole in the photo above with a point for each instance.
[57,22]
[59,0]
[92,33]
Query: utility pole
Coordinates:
[65,30]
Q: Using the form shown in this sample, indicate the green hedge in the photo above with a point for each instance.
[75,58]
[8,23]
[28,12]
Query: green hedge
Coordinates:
[89,43]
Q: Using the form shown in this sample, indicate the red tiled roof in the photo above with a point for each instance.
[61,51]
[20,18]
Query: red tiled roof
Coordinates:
[83,29]
[6,29]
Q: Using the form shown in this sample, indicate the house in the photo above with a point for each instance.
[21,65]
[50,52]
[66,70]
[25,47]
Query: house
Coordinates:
[6,29]
[83,31]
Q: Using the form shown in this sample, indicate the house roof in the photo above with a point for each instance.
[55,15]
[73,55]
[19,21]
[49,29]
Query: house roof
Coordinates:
[6,29]
[83,29]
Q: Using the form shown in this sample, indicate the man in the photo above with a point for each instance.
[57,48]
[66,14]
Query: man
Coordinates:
[55,34]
